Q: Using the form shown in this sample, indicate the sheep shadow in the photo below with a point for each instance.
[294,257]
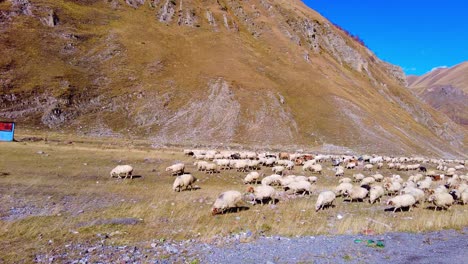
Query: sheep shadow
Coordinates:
[235,210]
[327,207]
[266,201]
[191,189]
[349,200]
[435,208]
[401,209]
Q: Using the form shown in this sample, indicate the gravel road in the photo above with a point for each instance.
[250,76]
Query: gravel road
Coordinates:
[446,246]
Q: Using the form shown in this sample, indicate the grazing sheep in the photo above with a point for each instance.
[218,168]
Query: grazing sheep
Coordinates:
[226,200]
[378,177]
[425,184]
[343,180]
[441,200]
[367,181]
[324,199]
[376,192]
[176,169]
[201,165]
[312,179]
[211,168]
[262,193]
[302,178]
[278,170]
[368,167]
[356,193]
[358,177]
[120,170]
[339,171]
[185,180]
[392,187]
[350,165]
[241,165]
[380,165]
[342,188]
[284,181]
[404,200]
[308,164]
[464,197]
[418,194]
[416,178]
[252,177]
[271,180]
[315,168]
[299,186]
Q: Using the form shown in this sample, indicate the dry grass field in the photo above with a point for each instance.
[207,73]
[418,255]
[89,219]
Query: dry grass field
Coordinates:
[59,191]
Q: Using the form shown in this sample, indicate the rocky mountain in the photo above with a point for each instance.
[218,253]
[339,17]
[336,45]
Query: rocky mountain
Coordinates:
[445,89]
[261,73]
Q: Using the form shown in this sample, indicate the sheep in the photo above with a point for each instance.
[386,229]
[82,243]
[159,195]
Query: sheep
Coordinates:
[404,200]
[120,170]
[392,187]
[356,193]
[278,170]
[378,177]
[286,180]
[464,197]
[241,165]
[299,186]
[376,192]
[324,199]
[416,178]
[441,200]
[185,180]
[308,164]
[313,168]
[368,167]
[350,165]
[380,165]
[339,171]
[226,200]
[224,164]
[211,168]
[312,179]
[343,180]
[201,165]
[302,178]
[176,169]
[272,179]
[342,188]
[358,177]
[425,184]
[252,177]
[367,181]
[262,193]
[418,194]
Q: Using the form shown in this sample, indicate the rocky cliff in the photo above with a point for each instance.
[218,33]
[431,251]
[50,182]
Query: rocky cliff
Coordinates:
[257,72]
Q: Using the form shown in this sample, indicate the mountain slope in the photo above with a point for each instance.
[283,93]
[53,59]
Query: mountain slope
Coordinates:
[257,72]
[446,89]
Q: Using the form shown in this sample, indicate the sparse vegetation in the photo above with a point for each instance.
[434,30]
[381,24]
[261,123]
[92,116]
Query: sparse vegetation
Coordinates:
[65,194]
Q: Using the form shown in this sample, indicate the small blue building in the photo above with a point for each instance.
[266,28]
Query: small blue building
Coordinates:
[7,131]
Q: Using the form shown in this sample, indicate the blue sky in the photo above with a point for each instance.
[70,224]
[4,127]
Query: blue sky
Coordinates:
[416,35]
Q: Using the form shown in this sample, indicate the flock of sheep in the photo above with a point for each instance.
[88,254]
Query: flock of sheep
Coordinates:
[442,186]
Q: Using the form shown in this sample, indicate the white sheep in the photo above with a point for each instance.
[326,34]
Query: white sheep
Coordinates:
[211,168]
[399,201]
[367,181]
[368,167]
[315,168]
[339,171]
[376,192]
[378,177]
[347,180]
[464,197]
[201,165]
[241,165]
[278,169]
[262,193]
[226,200]
[392,187]
[324,199]
[184,180]
[176,169]
[441,200]
[252,177]
[342,188]
[417,193]
[312,179]
[299,186]
[121,170]
[271,180]
[356,193]
[425,184]
[358,177]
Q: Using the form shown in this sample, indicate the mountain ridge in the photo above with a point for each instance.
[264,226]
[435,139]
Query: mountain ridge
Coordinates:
[211,72]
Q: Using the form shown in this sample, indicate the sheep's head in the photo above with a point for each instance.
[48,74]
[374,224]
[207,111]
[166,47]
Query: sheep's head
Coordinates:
[390,202]
[214,211]
[168,169]
[250,189]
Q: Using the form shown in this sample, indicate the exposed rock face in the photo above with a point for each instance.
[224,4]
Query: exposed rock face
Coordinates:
[256,72]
